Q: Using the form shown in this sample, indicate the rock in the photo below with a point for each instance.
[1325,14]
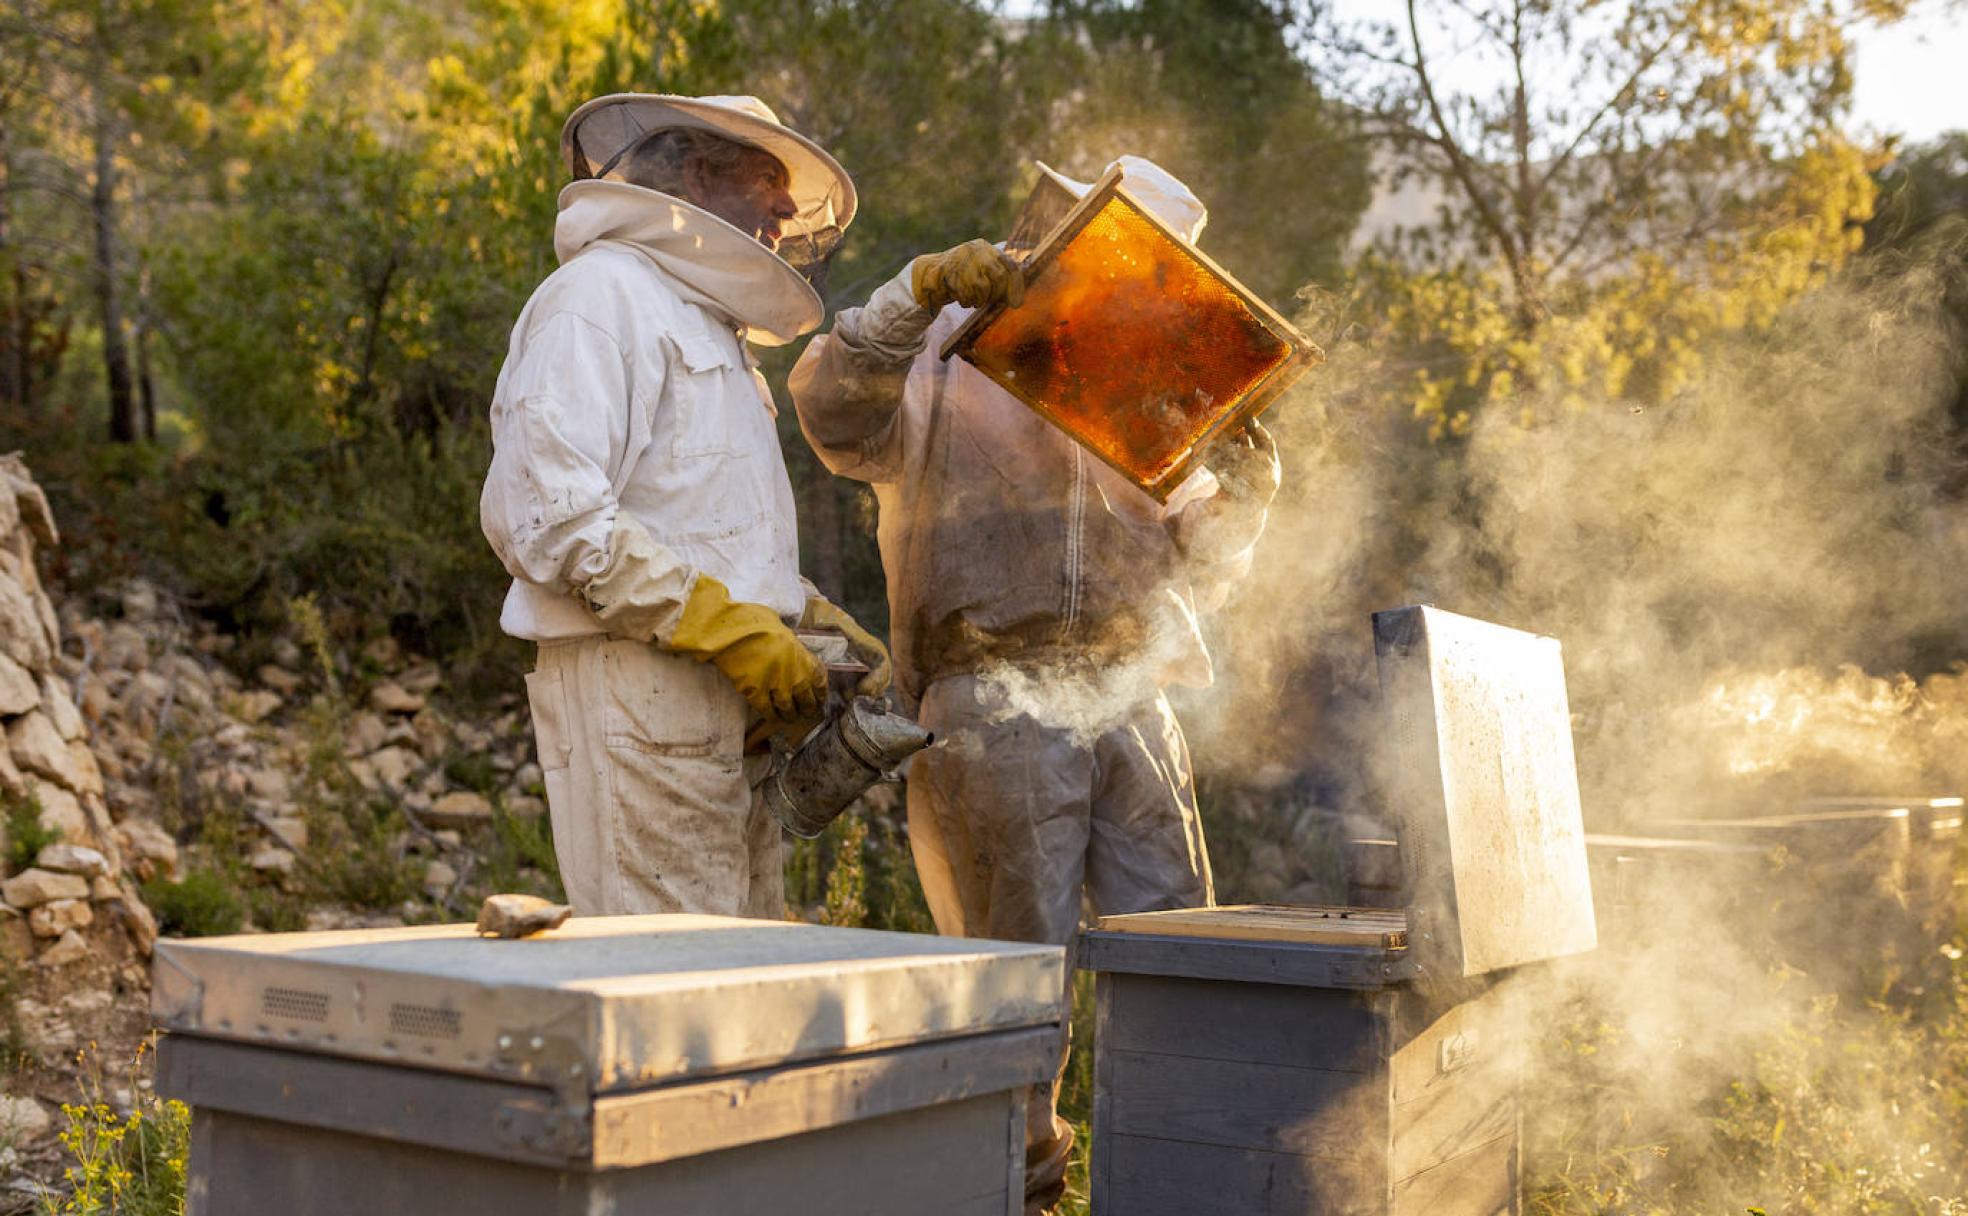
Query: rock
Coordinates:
[286,652]
[394,766]
[59,703]
[365,733]
[23,1120]
[69,949]
[103,888]
[279,679]
[61,811]
[73,859]
[255,706]
[136,918]
[460,809]
[392,698]
[11,779]
[60,916]
[290,830]
[96,701]
[416,801]
[433,734]
[140,600]
[421,680]
[530,777]
[39,748]
[83,769]
[18,691]
[448,838]
[148,842]
[438,879]
[273,860]
[525,806]
[365,775]
[269,783]
[511,916]
[383,652]
[16,939]
[33,887]
[22,637]
[125,647]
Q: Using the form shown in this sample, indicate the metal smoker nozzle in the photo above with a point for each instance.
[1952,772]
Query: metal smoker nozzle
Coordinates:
[852,749]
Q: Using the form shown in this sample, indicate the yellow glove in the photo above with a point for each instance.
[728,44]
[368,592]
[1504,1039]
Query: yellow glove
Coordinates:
[974,274]
[753,648]
[866,646]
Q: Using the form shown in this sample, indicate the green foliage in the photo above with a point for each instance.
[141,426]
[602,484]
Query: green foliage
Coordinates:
[24,834]
[1821,1113]
[847,881]
[514,854]
[204,903]
[125,1164]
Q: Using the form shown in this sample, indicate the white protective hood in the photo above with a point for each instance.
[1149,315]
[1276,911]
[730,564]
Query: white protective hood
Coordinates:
[708,261]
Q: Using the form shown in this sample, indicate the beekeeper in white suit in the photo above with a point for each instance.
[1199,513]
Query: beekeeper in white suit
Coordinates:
[639,498]
[1038,604]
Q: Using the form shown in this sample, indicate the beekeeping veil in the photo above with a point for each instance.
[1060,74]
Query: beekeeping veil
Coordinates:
[1154,187]
[598,137]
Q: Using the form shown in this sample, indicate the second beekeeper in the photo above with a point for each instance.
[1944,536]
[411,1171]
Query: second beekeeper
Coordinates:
[1039,602]
[639,497]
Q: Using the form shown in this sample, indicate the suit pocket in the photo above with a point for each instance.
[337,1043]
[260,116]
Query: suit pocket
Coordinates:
[663,703]
[546,696]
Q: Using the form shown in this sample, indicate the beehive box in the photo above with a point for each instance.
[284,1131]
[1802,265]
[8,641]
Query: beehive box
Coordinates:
[1273,1060]
[1934,836]
[1265,1061]
[1657,890]
[674,1064]
[1836,902]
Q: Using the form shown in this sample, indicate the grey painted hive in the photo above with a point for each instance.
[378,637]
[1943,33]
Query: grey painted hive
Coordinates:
[1266,1061]
[687,1065]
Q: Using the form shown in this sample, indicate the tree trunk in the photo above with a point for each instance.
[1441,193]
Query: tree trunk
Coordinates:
[116,350]
[13,369]
[146,387]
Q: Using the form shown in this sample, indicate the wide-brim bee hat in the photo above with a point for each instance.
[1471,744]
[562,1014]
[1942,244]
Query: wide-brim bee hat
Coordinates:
[599,135]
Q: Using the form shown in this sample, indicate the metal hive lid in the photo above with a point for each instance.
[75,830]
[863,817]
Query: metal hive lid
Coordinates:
[1480,775]
[602,1003]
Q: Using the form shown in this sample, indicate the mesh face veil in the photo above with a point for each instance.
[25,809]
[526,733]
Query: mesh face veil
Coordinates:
[600,137]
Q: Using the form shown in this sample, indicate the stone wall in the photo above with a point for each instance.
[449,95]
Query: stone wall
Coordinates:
[81,888]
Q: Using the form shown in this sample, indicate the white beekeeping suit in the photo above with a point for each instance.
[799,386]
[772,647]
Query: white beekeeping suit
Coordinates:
[1039,602]
[636,477]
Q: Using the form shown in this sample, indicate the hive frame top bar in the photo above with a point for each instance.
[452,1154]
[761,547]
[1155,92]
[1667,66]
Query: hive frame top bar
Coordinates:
[1302,354]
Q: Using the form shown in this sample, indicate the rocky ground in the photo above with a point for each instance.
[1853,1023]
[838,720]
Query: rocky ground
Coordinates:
[158,776]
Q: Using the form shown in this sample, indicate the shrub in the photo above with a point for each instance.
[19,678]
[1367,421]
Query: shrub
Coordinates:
[25,835]
[202,904]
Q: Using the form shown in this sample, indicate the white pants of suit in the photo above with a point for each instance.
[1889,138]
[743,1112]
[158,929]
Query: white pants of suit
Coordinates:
[648,784]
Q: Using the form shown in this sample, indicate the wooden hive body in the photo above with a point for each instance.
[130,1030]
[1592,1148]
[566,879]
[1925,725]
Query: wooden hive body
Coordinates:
[693,1066]
[1296,1075]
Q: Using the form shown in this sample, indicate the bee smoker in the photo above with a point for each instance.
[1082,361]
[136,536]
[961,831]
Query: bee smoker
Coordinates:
[858,743]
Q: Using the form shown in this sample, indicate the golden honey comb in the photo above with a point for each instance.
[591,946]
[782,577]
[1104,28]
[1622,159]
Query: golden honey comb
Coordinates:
[1133,343]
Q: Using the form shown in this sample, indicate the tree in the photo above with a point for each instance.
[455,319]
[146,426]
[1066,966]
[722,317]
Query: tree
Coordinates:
[1615,181]
[100,81]
[1215,92]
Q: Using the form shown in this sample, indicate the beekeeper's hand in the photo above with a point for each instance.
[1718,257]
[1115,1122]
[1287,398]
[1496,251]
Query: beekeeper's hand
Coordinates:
[866,646]
[779,678]
[975,274]
[1246,465]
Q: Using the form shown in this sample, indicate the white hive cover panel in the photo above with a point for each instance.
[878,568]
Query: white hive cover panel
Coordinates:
[1480,774]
